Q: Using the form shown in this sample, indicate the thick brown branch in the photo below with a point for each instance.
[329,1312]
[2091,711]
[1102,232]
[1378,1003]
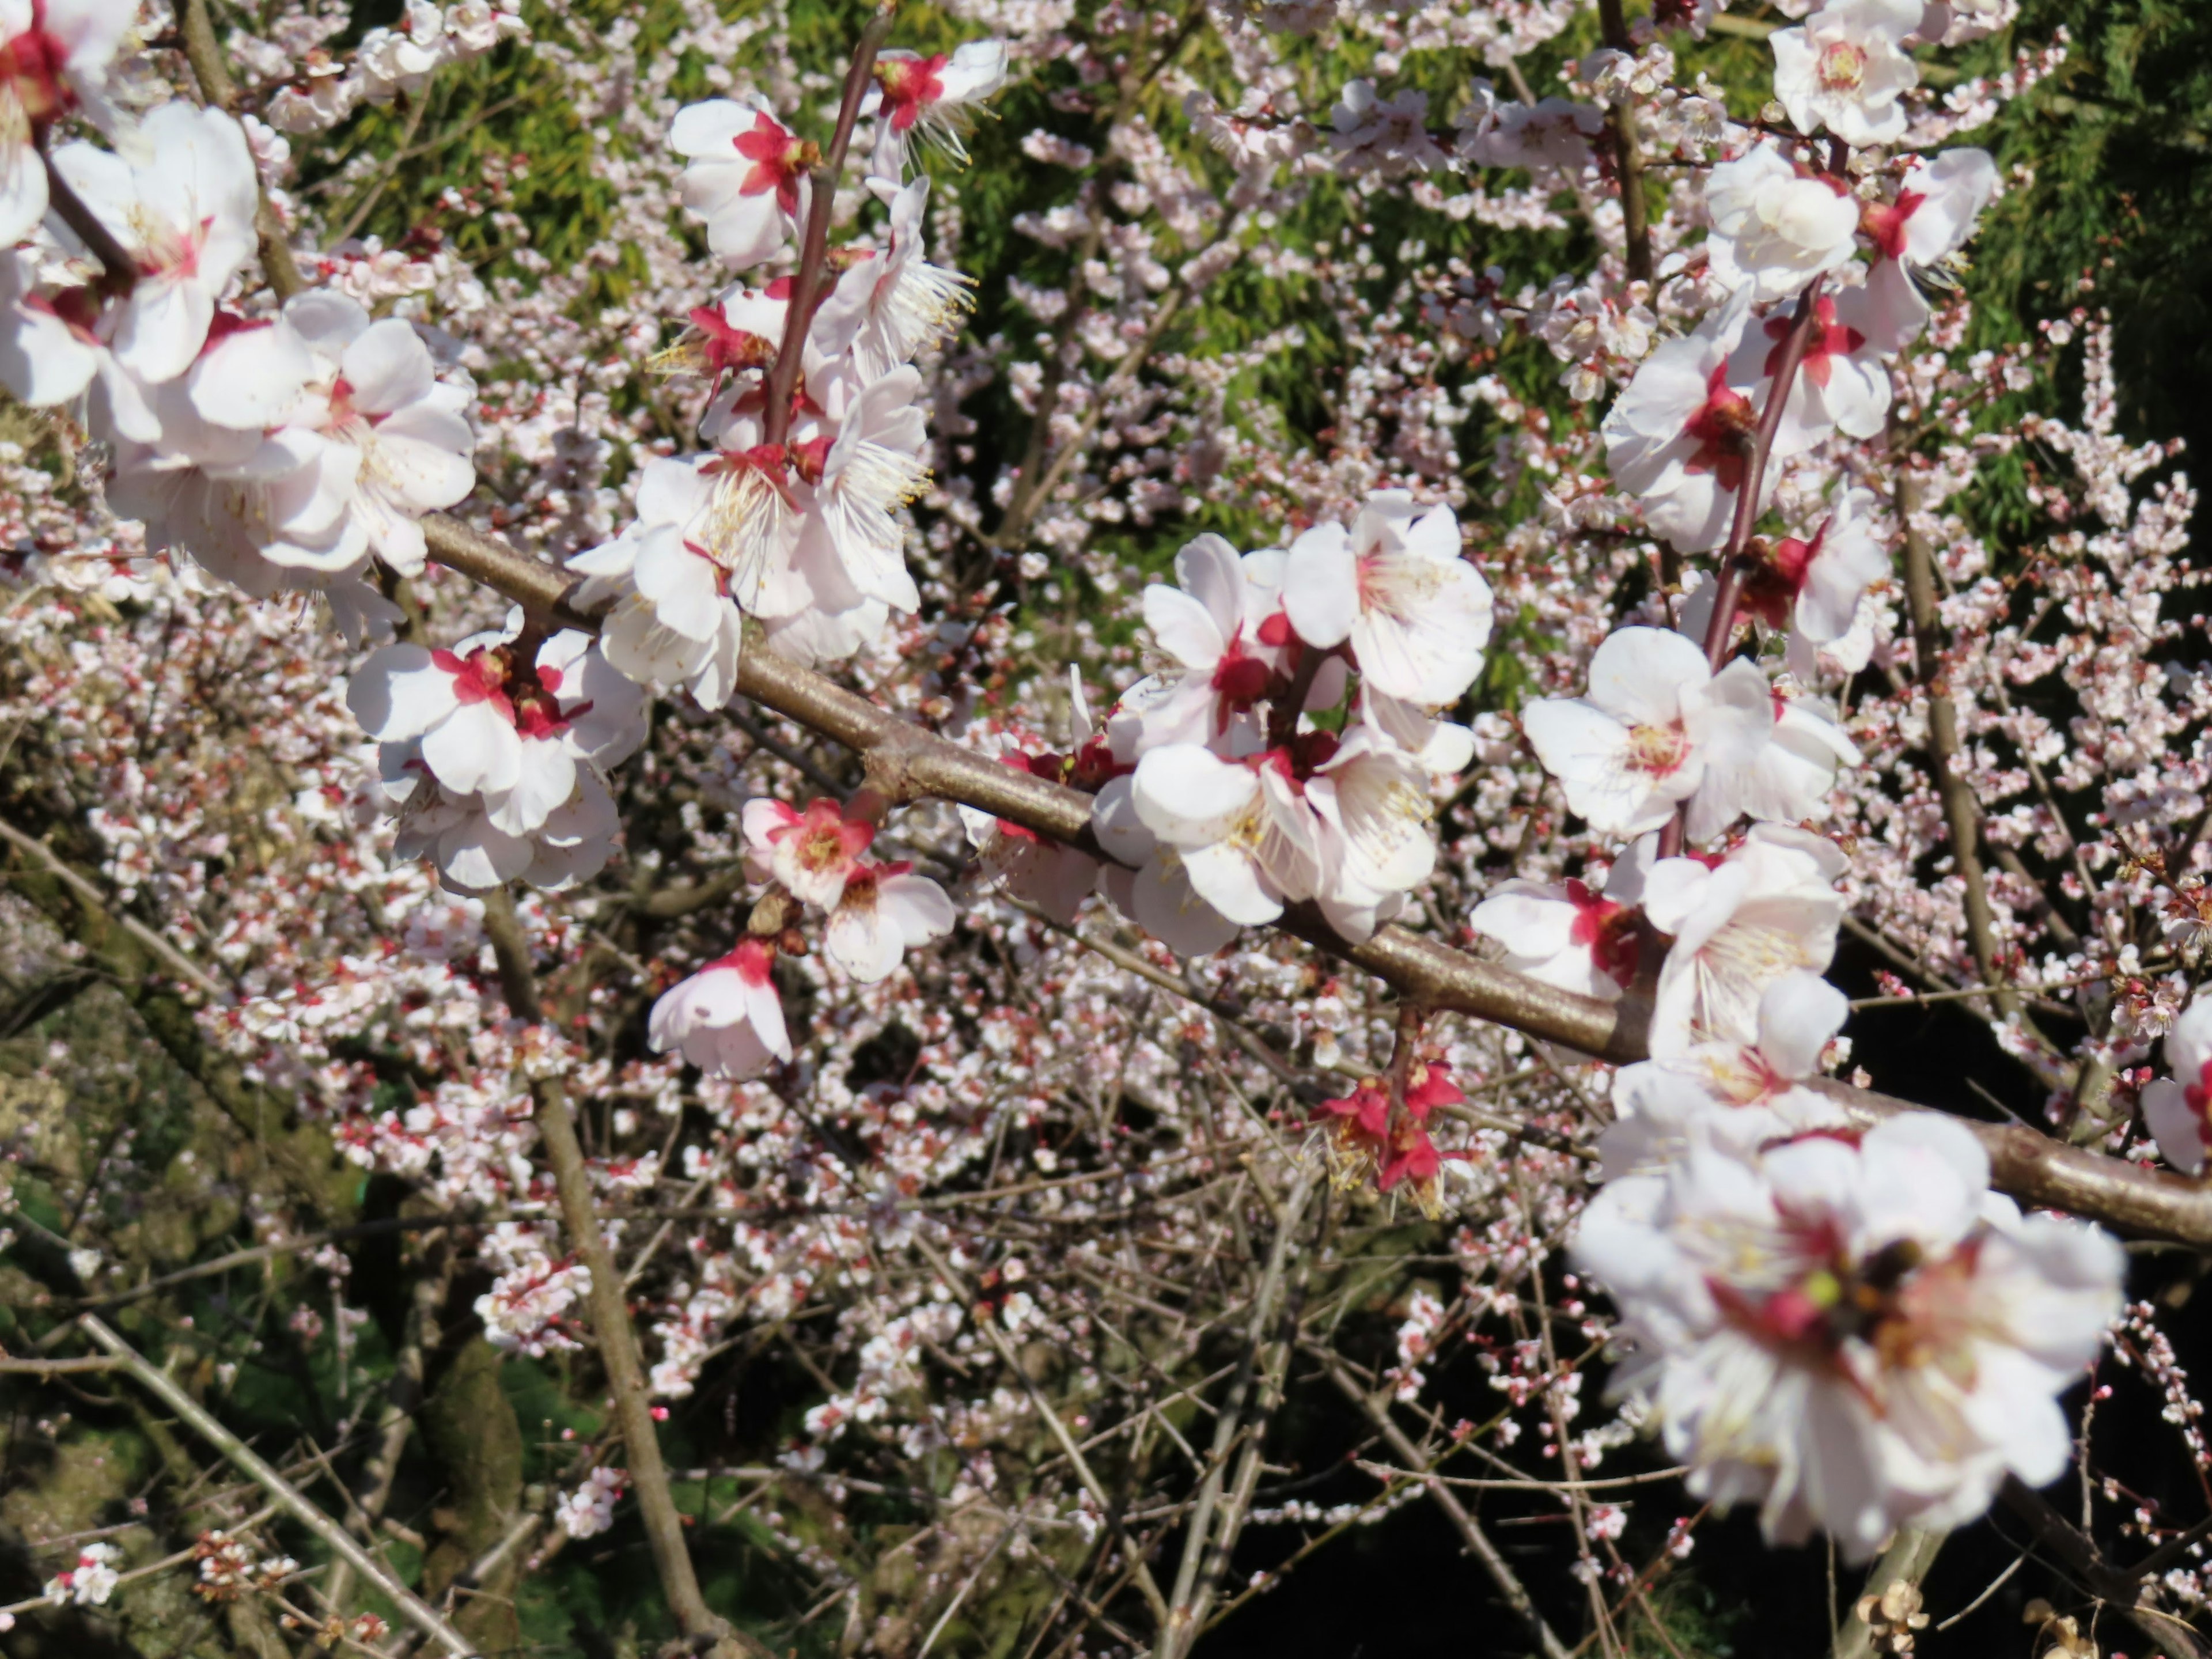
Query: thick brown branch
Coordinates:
[908,762]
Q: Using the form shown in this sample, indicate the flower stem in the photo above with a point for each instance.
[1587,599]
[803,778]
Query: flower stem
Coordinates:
[814,252]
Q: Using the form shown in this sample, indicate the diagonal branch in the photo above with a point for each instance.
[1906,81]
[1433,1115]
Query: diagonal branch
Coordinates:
[1478,1542]
[908,764]
[164,1387]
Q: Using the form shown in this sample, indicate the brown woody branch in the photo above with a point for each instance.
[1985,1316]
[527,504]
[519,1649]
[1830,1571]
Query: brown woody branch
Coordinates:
[1628,153]
[611,1321]
[908,764]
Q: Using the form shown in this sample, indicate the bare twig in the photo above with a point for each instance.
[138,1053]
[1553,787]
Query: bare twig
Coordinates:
[164,1389]
[806,283]
[1502,1575]
[610,1322]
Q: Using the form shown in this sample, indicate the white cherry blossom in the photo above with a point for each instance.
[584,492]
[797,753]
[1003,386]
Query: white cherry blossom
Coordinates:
[933,97]
[884,911]
[1851,1337]
[185,213]
[1679,436]
[1640,741]
[889,304]
[1568,934]
[1416,615]
[1739,923]
[2175,1109]
[1776,226]
[727,1019]
[746,177]
[1743,1094]
[1843,69]
[54,58]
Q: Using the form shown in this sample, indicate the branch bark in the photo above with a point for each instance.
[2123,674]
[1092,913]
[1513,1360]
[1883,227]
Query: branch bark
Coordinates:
[610,1322]
[907,763]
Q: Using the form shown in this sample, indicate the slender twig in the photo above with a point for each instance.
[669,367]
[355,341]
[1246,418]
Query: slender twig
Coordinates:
[1961,814]
[610,1322]
[806,283]
[205,53]
[1502,1575]
[1202,1546]
[1146,1584]
[1628,152]
[171,957]
[164,1387]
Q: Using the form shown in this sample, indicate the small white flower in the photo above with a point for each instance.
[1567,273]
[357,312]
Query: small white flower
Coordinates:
[1739,924]
[745,177]
[1641,740]
[884,911]
[1775,227]
[1416,614]
[1844,67]
[727,1019]
[2176,1108]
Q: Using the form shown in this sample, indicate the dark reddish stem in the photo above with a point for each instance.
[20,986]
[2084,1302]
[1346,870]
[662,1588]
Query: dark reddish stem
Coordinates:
[1722,629]
[1719,630]
[814,253]
[1284,725]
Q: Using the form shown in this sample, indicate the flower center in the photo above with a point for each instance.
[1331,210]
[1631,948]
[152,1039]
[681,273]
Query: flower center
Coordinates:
[1658,751]
[910,85]
[1843,66]
[1723,429]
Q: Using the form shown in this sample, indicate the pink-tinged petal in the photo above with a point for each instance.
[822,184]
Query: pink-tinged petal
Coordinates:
[424,456]
[672,492]
[1528,920]
[328,321]
[764,1009]
[1321,586]
[711,128]
[251,378]
[22,191]
[1227,879]
[917,906]
[545,778]
[1189,797]
[1797,1015]
[475,858]
[388,367]
[863,942]
[475,748]
[162,327]
[2189,1044]
[1208,569]
[42,362]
